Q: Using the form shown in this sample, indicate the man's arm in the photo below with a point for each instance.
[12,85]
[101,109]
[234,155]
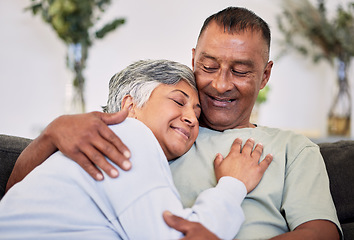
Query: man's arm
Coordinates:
[85,138]
[316,229]
[32,156]
[307,194]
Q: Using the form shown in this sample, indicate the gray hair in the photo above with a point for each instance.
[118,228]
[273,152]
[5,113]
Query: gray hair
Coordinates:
[140,78]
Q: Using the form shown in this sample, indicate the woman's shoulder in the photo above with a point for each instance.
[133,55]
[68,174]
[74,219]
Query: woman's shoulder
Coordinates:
[137,136]
[132,128]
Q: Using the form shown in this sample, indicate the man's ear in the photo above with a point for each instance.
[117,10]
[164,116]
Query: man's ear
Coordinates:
[266,74]
[193,56]
[128,103]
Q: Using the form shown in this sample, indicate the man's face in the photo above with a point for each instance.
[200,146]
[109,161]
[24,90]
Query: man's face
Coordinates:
[230,69]
[172,113]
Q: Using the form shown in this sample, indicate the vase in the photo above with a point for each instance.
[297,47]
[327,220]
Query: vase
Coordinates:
[339,116]
[74,90]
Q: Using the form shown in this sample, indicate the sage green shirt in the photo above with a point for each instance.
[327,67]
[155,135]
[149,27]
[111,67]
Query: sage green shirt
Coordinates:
[293,190]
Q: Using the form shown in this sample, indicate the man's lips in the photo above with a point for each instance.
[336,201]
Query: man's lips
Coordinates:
[182,131]
[220,101]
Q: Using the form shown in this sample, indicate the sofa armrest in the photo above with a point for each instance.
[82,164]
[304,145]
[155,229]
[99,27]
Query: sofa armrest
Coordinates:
[10,149]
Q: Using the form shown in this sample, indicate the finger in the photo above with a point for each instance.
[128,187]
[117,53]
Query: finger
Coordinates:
[99,160]
[113,139]
[217,165]
[236,146]
[111,146]
[88,166]
[218,159]
[248,147]
[114,118]
[257,152]
[266,162]
[174,221]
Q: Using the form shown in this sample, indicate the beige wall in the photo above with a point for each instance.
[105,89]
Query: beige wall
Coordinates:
[33,73]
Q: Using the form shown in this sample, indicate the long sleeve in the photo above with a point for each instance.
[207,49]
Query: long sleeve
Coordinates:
[149,190]
[217,209]
[59,200]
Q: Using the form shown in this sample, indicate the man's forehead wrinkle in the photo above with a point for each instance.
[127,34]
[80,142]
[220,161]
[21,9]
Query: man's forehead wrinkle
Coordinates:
[206,55]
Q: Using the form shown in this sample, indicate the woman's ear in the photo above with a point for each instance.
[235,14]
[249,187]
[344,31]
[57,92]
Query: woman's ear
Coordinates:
[128,103]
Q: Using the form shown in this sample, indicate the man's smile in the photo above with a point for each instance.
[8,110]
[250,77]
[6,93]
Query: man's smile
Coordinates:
[220,101]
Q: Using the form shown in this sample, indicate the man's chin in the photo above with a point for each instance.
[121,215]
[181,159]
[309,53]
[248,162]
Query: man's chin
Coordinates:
[215,123]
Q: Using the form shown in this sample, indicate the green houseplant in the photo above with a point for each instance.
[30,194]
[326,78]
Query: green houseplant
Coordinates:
[308,29]
[75,21]
[261,98]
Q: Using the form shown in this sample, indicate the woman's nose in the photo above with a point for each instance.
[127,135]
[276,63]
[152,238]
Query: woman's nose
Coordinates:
[190,117]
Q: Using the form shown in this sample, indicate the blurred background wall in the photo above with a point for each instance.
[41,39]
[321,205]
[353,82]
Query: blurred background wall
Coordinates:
[33,70]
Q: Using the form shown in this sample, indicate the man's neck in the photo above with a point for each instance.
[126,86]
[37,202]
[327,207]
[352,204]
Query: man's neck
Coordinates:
[222,128]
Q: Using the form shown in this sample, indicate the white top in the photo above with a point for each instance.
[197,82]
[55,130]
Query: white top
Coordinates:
[59,200]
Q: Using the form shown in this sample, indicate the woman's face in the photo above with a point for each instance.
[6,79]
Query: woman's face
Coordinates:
[172,113]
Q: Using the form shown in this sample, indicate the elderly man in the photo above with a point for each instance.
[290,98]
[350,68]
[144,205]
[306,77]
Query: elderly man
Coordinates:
[231,64]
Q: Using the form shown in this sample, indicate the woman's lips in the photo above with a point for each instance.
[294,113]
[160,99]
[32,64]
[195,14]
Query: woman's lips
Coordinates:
[182,131]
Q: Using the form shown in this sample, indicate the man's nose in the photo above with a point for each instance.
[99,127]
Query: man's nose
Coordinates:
[222,82]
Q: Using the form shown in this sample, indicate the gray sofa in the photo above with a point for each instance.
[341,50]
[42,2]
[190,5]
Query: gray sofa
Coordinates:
[338,157]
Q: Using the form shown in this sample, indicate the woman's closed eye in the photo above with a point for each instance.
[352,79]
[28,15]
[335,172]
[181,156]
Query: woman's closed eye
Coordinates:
[178,102]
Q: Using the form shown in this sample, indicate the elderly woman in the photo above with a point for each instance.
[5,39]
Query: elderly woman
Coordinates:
[59,200]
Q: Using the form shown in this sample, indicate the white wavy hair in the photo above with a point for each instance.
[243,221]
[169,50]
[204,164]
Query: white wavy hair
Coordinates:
[140,78]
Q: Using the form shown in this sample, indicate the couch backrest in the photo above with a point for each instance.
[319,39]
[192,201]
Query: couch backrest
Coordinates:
[339,159]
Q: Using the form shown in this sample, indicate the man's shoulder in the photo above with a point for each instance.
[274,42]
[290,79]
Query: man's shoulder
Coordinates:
[288,136]
[259,132]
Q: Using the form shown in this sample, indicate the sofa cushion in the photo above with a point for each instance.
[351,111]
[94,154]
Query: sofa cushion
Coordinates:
[10,149]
